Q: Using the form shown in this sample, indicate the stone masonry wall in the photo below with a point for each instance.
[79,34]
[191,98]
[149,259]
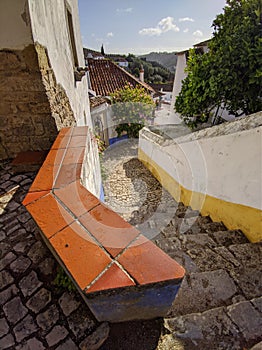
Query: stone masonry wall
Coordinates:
[59,103]
[25,118]
[33,107]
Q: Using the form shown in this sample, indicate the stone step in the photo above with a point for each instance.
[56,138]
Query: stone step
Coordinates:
[226,327]
[201,291]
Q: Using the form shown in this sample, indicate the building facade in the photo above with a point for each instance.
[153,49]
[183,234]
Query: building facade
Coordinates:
[43,82]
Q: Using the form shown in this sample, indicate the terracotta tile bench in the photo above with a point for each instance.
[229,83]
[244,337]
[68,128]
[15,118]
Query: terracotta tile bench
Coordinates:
[119,272]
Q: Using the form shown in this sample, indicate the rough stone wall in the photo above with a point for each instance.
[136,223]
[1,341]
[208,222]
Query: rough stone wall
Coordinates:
[59,103]
[33,107]
[25,116]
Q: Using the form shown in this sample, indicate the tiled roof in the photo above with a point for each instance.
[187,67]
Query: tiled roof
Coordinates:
[97,101]
[165,86]
[106,77]
[95,54]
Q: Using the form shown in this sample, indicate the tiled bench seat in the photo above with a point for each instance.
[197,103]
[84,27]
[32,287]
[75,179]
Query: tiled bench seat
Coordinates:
[119,272]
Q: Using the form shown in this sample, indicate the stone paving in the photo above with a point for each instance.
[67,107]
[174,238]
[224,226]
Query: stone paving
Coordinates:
[219,304]
[35,314]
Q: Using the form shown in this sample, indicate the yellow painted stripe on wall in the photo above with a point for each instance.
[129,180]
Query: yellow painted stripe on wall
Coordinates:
[234,216]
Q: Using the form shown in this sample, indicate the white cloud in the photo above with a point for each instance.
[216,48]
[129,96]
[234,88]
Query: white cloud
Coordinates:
[150,31]
[186,19]
[198,33]
[127,10]
[186,30]
[165,25]
[110,35]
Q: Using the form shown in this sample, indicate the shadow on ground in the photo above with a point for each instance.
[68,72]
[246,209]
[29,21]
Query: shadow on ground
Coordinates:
[135,335]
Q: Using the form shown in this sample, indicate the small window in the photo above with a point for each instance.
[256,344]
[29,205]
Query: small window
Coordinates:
[71,34]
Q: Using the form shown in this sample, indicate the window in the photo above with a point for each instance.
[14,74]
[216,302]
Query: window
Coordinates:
[71,34]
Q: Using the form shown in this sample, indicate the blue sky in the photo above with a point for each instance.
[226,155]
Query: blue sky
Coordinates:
[142,26]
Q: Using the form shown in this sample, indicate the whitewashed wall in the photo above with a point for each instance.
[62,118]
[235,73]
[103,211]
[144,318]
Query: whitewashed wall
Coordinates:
[49,28]
[91,173]
[223,162]
[179,76]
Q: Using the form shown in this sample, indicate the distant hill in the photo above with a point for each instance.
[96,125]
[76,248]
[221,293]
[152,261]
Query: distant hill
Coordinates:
[154,72]
[166,59]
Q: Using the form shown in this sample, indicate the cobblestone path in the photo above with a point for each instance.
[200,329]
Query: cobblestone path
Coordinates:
[219,305]
[34,314]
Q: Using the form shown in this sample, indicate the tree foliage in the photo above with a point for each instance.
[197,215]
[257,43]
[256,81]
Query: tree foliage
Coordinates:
[230,72]
[151,69]
[132,108]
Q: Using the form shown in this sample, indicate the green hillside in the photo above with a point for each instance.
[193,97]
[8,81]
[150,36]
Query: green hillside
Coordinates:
[166,59]
[154,72]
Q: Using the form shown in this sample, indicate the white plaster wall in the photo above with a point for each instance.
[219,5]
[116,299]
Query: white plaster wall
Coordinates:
[49,28]
[179,77]
[91,173]
[15,29]
[227,167]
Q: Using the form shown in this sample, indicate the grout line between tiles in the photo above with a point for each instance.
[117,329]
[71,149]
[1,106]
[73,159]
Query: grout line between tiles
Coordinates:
[62,160]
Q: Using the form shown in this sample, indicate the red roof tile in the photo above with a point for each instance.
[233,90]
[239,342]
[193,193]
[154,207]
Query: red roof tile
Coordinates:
[97,101]
[106,77]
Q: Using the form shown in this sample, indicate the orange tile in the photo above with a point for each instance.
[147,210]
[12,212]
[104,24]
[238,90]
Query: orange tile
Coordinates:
[113,232]
[77,141]
[33,196]
[66,131]
[81,256]
[61,142]
[55,157]
[74,155]
[114,277]
[45,178]
[77,198]
[68,174]
[80,130]
[146,263]
[49,215]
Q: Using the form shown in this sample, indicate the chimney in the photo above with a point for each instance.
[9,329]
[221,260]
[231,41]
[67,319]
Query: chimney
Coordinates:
[141,74]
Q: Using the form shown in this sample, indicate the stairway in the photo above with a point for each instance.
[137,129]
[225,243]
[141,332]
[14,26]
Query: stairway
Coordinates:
[219,304]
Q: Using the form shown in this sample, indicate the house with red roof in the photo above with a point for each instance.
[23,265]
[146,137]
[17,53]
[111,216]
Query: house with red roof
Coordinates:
[105,77]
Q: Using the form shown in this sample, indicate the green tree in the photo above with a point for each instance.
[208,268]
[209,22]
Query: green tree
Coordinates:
[132,109]
[157,78]
[230,72]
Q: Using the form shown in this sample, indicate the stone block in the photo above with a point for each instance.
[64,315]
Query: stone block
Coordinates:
[204,290]
[29,284]
[68,303]
[14,310]
[97,338]
[24,328]
[47,319]
[4,328]
[39,300]
[247,319]
[7,341]
[9,60]
[57,334]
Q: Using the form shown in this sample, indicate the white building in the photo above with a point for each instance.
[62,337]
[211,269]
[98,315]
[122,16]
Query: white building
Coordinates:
[41,63]
[181,75]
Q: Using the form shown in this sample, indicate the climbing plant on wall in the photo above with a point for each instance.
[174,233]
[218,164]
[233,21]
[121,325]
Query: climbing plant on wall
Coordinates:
[132,109]
[230,72]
